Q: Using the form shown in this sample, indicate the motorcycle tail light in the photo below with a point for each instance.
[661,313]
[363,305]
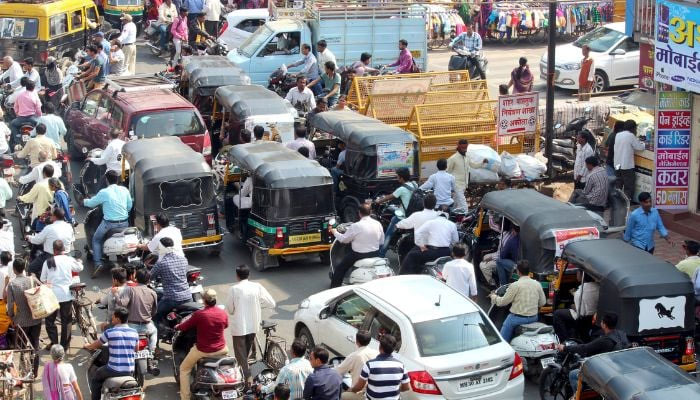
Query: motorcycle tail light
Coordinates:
[143,343]
[193,276]
[550,294]
[171,316]
[224,26]
[517,369]
[131,397]
[7,162]
[689,346]
[43,56]
[279,239]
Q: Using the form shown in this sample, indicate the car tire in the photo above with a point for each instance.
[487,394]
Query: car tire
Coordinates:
[305,337]
[601,82]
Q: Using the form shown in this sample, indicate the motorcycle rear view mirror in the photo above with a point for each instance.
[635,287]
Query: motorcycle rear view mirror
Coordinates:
[558,126]
[84,150]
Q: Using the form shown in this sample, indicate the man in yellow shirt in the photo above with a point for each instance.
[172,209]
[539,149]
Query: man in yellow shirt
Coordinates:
[35,145]
[692,261]
[40,196]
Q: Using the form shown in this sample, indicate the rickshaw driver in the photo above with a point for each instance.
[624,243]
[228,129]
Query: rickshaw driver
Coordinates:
[164,229]
[585,305]
[365,237]
[611,340]
[243,201]
[525,297]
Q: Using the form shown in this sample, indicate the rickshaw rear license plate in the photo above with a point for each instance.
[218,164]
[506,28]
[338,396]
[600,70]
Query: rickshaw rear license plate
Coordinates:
[311,237]
[546,361]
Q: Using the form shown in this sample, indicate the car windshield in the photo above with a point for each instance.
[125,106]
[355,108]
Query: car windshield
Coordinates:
[25,28]
[600,40]
[254,41]
[167,123]
[455,334]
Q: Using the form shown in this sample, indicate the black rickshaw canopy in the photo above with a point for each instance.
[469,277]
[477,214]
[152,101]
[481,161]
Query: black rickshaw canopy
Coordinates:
[248,100]
[277,167]
[538,217]
[163,159]
[360,132]
[207,73]
[637,374]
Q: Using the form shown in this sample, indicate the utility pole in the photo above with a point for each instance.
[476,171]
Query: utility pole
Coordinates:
[549,107]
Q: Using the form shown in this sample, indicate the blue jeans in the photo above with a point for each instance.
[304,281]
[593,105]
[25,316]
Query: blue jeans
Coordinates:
[335,173]
[504,267]
[150,330]
[164,307]
[98,238]
[387,236]
[162,28]
[17,123]
[573,379]
[317,89]
[332,101]
[513,321]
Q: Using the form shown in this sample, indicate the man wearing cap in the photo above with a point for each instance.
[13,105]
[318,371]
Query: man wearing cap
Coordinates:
[210,324]
[691,262]
[128,41]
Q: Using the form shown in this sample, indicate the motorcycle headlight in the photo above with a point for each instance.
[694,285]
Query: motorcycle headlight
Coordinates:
[570,66]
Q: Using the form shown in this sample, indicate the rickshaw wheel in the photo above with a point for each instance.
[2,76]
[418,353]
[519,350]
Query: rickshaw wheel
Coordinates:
[258,258]
[325,257]
[350,212]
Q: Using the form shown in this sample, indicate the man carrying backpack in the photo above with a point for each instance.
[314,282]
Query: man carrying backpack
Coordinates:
[405,194]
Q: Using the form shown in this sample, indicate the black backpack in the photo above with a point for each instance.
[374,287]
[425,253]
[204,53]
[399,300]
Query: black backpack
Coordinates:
[416,201]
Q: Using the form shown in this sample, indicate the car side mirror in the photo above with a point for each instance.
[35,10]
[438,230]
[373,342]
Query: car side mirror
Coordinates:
[618,52]
[325,313]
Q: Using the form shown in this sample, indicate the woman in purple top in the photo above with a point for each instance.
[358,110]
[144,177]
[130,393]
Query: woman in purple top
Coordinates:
[520,78]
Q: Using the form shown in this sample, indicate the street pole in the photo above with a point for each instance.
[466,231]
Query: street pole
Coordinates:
[549,107]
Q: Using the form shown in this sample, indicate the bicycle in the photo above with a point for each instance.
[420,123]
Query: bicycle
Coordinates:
[82,313]
[274,354]
[17,376]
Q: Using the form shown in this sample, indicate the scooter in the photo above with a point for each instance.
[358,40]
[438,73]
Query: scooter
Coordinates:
[88,183]
[119,244]
[362,271]
[535,342]
[194,277]
[116,388]
[465,59]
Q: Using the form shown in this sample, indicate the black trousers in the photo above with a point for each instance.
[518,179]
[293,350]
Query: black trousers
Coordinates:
[415,258]
[212,27]
[626,178]
[564,324]
[66,311]
[33,333]
[346,263]
[101,375]
[37,263]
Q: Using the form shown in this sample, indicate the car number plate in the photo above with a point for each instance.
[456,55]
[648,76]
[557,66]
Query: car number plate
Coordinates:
[196,289]
[477,381]
[546,361]
[311,237]
[229,394]
[143,354]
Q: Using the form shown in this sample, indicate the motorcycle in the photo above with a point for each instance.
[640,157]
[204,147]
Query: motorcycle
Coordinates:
[554,380]
[119,244]
[166,328]
[152,36]
[362,271]
[263,386]
[465,59]
[89,179]
[115,388]
[280,81]
[213,378]
[564,143]
[194,277]
[535,342]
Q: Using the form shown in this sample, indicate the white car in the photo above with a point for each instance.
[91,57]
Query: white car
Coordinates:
[449,347]
[240,24]
[616,58]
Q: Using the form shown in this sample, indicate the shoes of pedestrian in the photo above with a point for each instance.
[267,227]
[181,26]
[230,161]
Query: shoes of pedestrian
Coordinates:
[48,346]
[97,270]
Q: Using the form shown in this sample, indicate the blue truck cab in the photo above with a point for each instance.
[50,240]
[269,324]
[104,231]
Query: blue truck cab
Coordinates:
[348,29]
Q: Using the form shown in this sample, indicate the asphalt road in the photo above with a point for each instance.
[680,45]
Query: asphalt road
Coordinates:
[291,282]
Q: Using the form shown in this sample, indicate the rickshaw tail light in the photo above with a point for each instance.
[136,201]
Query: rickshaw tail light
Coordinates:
[689,346]
[43,56]
[7,162]
[550,295]
[517,367]
[422,382]
[279,239]
[132,397]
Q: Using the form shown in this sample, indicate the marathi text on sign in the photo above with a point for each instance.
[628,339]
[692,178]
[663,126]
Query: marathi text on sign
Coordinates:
[677,41]
[517,114]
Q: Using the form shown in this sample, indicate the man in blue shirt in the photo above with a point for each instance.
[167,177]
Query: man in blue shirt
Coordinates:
[194,7]
[509,255]
[324,383]
[121,341]
[61,199]
[443,185]
[471,41]
[116,204]
[642,223]
[403,193]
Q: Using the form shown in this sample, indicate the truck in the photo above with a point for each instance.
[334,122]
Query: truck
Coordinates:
[350,29]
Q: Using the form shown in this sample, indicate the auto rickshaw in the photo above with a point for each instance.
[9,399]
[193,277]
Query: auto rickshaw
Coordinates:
[238,107]
[546,225]
[654,301]
[634,374]
[167,176]
[374,151]
[292,203]
[202,75]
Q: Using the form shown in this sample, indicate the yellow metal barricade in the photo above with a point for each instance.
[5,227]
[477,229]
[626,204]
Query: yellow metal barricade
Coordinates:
[463,85]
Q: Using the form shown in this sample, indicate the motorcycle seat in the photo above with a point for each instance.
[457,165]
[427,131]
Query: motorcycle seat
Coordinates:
[370,262]
[189,306]
[118,232]
[77,286]
[533,328]
[213,362]
[120,383]
[437,261]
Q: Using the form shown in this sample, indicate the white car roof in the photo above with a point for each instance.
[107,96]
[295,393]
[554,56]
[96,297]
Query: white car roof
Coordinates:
[616,26]
[416,295]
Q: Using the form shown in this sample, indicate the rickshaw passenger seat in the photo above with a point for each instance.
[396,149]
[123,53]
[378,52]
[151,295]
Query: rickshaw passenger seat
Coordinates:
[533,328]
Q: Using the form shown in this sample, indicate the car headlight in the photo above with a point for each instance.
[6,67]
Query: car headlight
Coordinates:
[570,66]
[305,303]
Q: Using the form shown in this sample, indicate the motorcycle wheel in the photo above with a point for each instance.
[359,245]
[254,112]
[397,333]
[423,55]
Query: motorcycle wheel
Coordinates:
[155,49]
[553,385]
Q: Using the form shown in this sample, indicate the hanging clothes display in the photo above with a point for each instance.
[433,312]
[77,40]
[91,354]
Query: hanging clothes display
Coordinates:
[442,25]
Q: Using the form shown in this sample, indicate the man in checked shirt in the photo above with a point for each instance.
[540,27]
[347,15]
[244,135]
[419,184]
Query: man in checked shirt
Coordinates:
[171,269]
[594,196]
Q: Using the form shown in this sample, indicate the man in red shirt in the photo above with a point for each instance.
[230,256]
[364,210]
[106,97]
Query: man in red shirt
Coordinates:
[210,324]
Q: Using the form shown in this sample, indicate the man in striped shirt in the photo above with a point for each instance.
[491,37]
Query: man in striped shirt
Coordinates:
[121,341]
[594,196]
[384,376]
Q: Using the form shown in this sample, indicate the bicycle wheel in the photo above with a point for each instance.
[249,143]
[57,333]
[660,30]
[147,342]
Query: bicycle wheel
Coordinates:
[86,322]
[275,357]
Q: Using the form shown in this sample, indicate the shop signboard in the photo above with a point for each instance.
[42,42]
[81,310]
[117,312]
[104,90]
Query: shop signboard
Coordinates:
[677,43]
[517,114]
[672,150]
[646,67]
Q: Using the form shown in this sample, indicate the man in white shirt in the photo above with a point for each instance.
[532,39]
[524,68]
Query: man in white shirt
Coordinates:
[128,41]
[163,229]
[242,201]
[7,236]
[626,143]
[355,361]
[30,72]
[244,305]
[59,229]
[459,273]
[166,15]
[310,69]
[433,240]
[13,72]
[458,165]
[6,275]
[442,184]
[57,272]
[585,305]
[324,55]
[365,236]
[419,218]
[117,60]
[111,155]
[301,97]
[212,14]
[300,140]
[5,194]
[36,174]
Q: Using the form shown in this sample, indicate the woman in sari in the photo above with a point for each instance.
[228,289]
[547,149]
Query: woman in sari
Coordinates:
[59,380]
[521,78]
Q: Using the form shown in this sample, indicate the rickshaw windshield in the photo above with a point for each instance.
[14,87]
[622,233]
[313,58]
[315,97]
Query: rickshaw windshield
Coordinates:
[23,28]
[455,334]
[181,193]
[276,204]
